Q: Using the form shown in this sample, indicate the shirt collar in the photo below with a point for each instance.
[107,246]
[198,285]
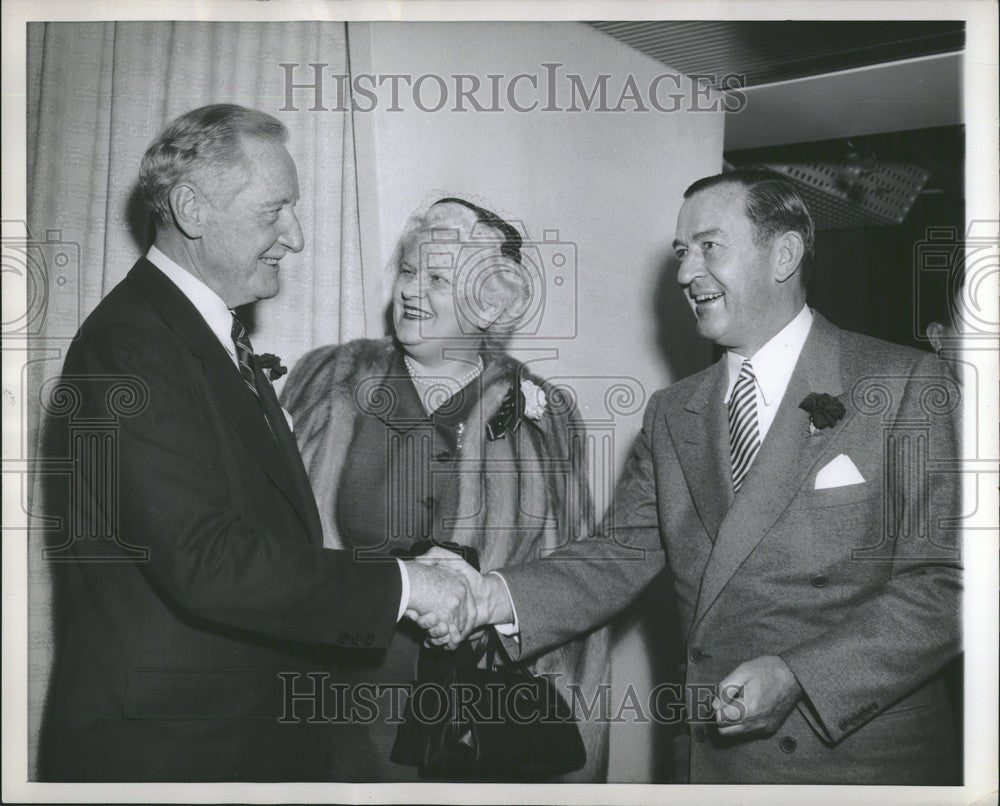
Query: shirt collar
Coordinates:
[774,363]
[209,304]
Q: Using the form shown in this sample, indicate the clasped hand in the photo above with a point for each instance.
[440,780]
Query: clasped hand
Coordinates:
[450,599]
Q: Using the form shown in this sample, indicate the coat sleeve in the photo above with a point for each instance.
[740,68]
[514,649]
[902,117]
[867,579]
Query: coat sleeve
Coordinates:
[205,556]
[890,642]
[585,583]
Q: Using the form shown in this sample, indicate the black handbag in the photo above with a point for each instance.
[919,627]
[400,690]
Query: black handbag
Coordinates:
[474,714]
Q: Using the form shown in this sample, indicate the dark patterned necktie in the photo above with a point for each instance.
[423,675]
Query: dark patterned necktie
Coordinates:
[744,436]
[244,353]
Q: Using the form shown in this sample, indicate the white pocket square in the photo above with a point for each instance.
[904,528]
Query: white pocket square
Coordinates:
[839,472]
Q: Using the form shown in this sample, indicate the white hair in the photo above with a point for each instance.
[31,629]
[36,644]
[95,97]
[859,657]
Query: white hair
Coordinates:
[205,142]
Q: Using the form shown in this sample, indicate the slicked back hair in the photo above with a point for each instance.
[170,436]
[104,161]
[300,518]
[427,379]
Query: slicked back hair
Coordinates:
[773,206]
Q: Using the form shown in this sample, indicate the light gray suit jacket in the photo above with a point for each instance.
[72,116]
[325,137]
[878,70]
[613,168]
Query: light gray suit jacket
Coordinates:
[856,587]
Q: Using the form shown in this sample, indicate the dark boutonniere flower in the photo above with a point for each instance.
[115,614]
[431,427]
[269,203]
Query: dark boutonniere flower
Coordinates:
[271,364]
[527,402]
[824,410]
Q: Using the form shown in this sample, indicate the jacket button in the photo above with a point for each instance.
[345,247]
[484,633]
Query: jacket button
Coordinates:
[788,744]
[819,582]
[698,734]
[698,655]
[443,456]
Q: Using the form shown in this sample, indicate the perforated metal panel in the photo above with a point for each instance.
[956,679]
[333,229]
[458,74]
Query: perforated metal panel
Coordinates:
[840,195]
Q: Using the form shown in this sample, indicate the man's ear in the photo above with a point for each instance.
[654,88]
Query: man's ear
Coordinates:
[935,335]
[187,206]
[788,249]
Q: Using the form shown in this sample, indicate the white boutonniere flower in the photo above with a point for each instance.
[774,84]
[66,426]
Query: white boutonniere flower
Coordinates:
[534,399]
[512,412]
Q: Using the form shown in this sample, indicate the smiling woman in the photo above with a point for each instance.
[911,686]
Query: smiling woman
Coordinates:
[437,434]
[459,284]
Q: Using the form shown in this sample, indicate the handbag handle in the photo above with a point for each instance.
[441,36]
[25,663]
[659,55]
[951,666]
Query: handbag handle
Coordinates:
[494,649]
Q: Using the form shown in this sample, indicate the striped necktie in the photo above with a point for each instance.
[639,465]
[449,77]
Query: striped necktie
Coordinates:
[244,354]
[744,436]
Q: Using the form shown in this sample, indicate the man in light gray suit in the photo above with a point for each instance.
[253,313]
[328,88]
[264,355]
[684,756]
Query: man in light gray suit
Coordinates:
[798,493]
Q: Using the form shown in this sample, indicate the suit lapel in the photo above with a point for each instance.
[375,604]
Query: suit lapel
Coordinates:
[786,457]
[701,434]
[293,459]
[235,401]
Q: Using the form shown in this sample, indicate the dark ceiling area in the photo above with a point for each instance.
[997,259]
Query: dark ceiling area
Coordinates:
[765,52]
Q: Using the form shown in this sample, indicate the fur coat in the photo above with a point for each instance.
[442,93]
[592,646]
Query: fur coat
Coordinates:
[525,494]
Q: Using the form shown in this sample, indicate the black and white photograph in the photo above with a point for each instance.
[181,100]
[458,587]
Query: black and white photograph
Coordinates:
[500,402]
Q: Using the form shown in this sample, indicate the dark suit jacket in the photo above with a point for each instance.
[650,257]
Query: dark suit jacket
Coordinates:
[167,666]
[856,587]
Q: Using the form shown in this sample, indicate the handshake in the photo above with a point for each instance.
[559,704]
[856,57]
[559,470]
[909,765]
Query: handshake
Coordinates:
[450,599]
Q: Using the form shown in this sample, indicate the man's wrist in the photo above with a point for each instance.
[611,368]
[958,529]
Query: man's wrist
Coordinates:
[500,606]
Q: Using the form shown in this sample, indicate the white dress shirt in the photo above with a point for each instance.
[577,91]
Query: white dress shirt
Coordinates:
[219,319]
[213,310]
[773,365]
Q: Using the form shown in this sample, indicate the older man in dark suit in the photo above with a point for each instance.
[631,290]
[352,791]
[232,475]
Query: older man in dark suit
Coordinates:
[168,661]
[794,492]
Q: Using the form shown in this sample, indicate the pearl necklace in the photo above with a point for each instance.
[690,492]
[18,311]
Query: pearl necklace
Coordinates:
[461,380]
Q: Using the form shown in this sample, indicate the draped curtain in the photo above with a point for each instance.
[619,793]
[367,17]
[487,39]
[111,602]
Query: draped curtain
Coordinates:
[97,94]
